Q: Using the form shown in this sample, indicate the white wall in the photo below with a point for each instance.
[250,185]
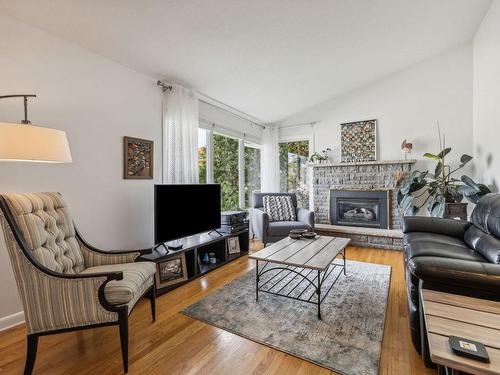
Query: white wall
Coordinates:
[97,102]
[406,104]
[487,98]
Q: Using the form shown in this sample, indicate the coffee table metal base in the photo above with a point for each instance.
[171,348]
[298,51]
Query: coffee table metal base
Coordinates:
[316,283]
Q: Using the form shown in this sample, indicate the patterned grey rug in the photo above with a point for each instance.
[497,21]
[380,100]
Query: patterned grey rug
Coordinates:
[348,339]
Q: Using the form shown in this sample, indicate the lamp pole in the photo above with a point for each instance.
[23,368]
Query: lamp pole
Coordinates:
[25,96]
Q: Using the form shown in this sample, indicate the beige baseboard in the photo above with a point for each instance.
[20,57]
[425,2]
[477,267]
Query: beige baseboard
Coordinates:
[11,320]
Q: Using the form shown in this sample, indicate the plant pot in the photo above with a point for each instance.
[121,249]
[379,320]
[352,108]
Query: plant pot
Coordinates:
[457,211]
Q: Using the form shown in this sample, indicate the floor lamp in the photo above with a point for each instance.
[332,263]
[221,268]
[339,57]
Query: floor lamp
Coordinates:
[26,142]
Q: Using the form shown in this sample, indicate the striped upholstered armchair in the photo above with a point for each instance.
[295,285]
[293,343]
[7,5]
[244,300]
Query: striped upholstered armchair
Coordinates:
[64,283]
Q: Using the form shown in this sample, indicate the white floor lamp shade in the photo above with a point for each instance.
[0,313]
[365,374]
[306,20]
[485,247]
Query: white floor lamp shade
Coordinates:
[22,142]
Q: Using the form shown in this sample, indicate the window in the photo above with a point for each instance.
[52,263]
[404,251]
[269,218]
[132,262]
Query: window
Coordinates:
[225,170]
[252,172]
[202,155]
[294,157]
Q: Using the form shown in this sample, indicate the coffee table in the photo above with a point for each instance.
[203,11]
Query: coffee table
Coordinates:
[308,260]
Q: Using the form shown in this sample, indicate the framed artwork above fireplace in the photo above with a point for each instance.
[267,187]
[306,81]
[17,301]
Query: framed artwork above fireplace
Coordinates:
[358,141]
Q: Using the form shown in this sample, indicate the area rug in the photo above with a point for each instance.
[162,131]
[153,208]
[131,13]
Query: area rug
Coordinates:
[349,338]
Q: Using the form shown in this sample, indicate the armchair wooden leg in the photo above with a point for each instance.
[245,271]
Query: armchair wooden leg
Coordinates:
[32,343]
[123,322]
[152,298]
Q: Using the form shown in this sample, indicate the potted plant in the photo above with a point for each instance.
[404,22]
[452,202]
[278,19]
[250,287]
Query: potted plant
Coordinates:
[320,156]
[442,191]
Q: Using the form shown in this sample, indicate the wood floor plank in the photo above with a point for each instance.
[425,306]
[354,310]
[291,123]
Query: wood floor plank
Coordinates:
[181,345]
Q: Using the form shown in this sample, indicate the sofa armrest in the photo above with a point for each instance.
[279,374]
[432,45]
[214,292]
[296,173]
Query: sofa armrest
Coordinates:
[305,216]
[260,222]
[460,273]
[447,227]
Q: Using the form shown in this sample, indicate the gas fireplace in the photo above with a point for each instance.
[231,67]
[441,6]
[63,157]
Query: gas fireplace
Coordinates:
[360,208]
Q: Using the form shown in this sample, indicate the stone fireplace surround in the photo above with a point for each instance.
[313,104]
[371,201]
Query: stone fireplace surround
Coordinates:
[374,175]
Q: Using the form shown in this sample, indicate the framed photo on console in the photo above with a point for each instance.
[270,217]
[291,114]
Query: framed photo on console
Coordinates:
[233,245]
[171,271]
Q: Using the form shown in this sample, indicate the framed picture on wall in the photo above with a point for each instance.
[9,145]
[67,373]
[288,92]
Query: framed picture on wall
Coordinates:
[358,141]
[171,271]
[138,158]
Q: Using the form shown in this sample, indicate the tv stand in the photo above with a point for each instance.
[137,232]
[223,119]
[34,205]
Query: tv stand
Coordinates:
[188,261]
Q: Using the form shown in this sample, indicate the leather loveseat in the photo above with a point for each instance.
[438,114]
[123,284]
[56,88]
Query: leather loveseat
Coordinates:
[454,256]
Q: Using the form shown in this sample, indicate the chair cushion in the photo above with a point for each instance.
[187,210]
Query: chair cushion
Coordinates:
[282,228]
[279,208]
[137,278]
[47,228]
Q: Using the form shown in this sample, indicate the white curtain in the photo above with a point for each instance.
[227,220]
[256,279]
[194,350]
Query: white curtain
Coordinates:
[180,136]
[270,164]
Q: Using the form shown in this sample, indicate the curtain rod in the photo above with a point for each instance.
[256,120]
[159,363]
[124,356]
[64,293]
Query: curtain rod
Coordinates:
[215,125]
[312,123]
[209,100]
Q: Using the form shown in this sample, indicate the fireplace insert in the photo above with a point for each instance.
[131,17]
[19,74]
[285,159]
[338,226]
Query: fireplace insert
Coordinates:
[361,208]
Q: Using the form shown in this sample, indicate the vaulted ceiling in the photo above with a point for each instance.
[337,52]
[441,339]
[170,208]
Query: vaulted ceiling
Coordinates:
[269,58]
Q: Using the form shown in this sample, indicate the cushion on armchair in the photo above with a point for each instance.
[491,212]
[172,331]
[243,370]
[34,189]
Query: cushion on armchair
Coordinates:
[279,208]
[137,278]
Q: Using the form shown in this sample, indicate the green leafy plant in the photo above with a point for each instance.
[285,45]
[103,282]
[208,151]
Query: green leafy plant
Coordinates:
[439,187]
[323,155]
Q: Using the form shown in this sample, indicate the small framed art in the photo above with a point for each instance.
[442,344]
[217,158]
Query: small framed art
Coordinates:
[171,271]
[233,245]
[138,158]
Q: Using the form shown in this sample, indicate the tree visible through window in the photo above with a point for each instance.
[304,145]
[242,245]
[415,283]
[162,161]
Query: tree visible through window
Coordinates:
[225,167]
[202,155]
[294,158]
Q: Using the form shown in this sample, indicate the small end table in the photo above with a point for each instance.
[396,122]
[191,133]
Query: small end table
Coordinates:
[476,319]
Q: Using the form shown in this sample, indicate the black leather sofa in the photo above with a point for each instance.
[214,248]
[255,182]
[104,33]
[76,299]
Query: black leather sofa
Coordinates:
[453,256]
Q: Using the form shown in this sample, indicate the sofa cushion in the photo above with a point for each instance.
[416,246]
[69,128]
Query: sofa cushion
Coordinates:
[137,278]
[439,247]
[433,237]
[485,244]
[47,229]
[282,228]
[486,214]
[463,274]
[279,208]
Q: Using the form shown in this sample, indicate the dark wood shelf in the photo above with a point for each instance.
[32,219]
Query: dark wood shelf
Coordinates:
[196,246]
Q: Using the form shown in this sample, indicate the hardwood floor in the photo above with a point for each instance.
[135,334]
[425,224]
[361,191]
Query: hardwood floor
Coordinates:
[176,344]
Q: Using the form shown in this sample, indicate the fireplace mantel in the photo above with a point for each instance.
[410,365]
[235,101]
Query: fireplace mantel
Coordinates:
[377,162]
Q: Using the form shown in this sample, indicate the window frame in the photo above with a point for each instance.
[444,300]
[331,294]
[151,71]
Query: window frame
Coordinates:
[242,143]
[298,138]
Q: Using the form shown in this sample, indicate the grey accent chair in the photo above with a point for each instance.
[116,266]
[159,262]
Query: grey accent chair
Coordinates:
[272,231]
[64,283]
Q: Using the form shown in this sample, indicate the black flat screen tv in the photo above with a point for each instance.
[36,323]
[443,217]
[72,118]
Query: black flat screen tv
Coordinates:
[184,210]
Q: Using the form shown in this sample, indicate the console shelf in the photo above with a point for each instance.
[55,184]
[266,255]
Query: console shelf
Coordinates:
[175,268]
